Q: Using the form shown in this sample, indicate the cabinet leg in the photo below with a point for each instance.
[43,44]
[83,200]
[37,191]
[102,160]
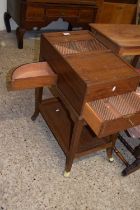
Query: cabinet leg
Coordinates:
[109,150]
[7,22]
[74,145]
[20,33]
[38,99]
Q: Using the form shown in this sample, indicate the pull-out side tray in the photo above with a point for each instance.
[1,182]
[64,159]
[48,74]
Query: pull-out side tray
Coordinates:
[110,115]
[31,75]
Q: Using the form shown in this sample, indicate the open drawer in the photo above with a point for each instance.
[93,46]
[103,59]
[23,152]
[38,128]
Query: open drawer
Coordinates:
[31,75]
[111,115]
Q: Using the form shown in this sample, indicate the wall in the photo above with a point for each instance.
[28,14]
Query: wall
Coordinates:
[2,10]
[3,5]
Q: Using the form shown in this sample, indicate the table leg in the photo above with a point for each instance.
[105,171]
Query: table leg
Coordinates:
[20,33]
[78,126]
[136,164]
[131,168]
[7,17]
[109,151]
[38,99]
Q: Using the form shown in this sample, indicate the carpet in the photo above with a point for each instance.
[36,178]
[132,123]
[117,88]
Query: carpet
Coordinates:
[32,163]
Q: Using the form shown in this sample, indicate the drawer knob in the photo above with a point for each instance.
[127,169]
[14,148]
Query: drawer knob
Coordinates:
[114,88]
[57,110]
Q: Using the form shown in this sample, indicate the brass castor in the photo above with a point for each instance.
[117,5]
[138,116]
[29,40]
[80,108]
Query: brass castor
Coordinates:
[111,159]
[66,174]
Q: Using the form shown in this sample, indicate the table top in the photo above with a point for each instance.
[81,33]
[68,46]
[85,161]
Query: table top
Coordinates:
[121,38]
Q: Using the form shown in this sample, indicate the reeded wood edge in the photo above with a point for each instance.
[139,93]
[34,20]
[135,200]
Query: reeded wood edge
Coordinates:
[9,79]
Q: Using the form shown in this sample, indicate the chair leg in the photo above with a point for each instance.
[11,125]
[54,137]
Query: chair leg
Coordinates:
[119,154]
[136,152]
[124,142]
[127,133]
[131,168]
[135,165]
[38,99]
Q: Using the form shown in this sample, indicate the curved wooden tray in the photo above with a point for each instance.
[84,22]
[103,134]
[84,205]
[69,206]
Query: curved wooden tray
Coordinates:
[31,76]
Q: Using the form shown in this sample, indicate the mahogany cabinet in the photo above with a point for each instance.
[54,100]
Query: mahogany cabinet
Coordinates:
[39,13]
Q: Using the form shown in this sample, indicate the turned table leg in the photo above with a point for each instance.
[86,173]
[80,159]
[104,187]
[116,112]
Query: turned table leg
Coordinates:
[135,165]
[7,22]
[38,99]
[109,151]
[73,146]
[20,33]
[131,168]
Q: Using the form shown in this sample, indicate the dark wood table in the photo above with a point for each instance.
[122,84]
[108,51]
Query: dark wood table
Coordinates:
[92,89]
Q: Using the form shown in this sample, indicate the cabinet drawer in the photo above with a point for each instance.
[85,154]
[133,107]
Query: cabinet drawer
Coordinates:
[31,76]
[62,12]
[113,114]
[35,13]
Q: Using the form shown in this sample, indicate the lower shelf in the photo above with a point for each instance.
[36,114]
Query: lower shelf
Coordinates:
[61,125]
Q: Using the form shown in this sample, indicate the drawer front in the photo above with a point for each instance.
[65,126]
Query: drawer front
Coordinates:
[35,13]
[111,115]
[62,12]
[112,89]
[31,76]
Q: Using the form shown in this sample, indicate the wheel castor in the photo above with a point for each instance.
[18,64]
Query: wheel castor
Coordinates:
[66,174]
[111,159]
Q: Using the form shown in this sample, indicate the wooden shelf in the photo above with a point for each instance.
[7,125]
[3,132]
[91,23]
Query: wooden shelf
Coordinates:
[58,120]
